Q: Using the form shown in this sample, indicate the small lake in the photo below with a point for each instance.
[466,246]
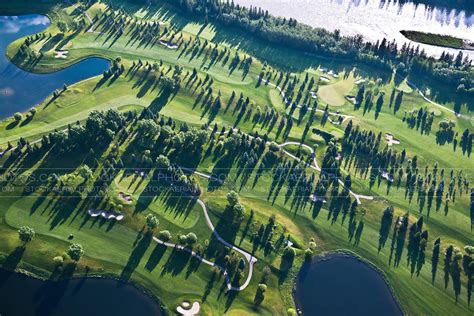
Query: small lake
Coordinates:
[21,90]
[21,295]
[343,285]
[376,19]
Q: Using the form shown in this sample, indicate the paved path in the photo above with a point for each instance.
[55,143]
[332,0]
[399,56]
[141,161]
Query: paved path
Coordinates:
[88,17]
[302,145]
[415,87]
[316,167]
[250,259]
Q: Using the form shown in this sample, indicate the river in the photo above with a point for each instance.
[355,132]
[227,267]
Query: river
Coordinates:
[21,90]
[340,284]
[375,19]
[21,295]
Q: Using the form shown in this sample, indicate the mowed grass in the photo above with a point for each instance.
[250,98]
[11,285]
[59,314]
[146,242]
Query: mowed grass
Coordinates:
[334,94]
[331,236]
[170,276]
[112,245]
[74,105]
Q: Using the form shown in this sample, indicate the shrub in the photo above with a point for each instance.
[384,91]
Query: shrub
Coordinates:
[26,234]
[75,252]
[58,261]
[164,235]
[17,116]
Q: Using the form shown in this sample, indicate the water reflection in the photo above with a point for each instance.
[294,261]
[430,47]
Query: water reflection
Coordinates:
[375,19]
[21,90]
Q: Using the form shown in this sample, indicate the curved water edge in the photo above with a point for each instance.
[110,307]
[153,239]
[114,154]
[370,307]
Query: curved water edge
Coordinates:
[28,293]
[331,278]
[376,19]
[21,90]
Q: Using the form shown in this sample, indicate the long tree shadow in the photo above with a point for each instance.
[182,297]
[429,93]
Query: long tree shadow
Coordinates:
[137,254]
[176,262]
[155,257]
[13,259]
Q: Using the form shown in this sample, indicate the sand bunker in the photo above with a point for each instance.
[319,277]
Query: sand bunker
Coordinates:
[184,309]
[125,197]
[169,45]
[387,176]
[106,214]
[62,54]
[325,79]
[332,73]
[391,140]
[316,198]
[351,99]
[360,81]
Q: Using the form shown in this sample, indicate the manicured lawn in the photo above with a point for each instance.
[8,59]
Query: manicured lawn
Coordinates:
[334,94]
[112,248]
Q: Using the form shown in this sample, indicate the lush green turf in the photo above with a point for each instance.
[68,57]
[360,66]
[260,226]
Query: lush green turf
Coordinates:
[335,94]
[174,277]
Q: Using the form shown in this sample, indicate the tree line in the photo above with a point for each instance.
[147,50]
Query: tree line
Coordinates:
[452,70]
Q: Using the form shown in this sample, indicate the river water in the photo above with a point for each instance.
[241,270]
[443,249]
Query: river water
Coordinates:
[21,295]
[375,19]
[21,90]
[343,285]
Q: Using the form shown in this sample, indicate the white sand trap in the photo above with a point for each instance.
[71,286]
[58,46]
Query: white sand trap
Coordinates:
[313,95]
[169,45]
[125,197]
[332,73]
[184,309]
[360,81]
[106,214]
[351,99]
[391,139]
[316,198]
[62,54]
[387,176]
[325,79]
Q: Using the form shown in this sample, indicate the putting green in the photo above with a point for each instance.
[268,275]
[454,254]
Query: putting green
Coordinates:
[333,94]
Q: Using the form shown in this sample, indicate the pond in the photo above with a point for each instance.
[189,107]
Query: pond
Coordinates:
[375,19]
[21,90]
[23,296]
[340,284]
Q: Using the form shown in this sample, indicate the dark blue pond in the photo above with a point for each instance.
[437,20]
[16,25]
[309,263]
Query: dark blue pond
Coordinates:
[21,90]
[343,285]
[21,295]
